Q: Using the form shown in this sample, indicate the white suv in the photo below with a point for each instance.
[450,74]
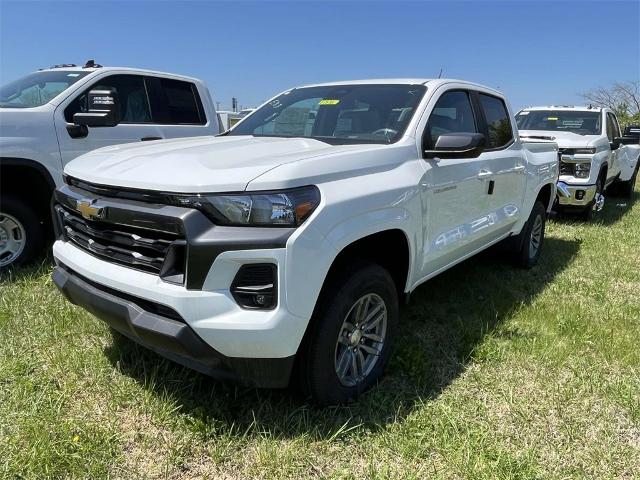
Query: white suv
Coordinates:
[291,239]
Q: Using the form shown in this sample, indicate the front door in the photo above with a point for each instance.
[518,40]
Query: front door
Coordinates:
[453,190]
[135,124]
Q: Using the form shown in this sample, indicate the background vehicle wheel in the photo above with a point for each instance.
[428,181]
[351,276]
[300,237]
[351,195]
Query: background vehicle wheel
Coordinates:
[626,189]
[598,202]
[348,345]
[532,237]
[21,233]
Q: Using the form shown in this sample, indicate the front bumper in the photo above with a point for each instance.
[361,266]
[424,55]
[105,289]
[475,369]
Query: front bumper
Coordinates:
[575,195]
[161,329]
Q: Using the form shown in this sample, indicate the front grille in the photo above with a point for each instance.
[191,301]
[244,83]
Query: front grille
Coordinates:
[566,168]
[139,248]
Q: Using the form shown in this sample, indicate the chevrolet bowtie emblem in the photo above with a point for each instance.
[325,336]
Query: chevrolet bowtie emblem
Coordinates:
[88,210]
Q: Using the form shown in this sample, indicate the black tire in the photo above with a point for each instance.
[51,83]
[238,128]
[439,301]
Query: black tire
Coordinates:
[319,355]
[590,212]
[29,227]
[527,256]
[626,189]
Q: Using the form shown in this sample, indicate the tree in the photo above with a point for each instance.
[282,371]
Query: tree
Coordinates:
[621,97]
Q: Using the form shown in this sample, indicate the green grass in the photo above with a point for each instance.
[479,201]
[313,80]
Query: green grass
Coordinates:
[498,373]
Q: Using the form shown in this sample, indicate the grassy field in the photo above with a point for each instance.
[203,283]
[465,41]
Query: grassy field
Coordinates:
[499,373]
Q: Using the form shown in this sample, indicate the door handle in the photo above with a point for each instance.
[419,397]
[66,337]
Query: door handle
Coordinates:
[148,139]
[519,168]
[484,174]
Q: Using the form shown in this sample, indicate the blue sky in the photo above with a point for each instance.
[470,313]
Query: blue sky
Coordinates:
[535,52]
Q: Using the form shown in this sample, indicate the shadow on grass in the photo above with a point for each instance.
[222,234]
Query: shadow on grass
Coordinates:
[614,209]
[439,332]
[41,265]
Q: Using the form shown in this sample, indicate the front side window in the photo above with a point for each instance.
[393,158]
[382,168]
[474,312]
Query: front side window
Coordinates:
[132,94]
[38,88]
[613,130]
[497,117]
[451,114]
[580,122]
[337,114]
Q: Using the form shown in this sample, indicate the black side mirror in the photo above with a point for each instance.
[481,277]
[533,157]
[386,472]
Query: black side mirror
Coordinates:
[628,140]
[615,144]
[103,110]
[457,145]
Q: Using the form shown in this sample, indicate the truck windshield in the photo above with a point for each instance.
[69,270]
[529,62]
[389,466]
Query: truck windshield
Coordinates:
[37,88]
[583,123]
[337,114]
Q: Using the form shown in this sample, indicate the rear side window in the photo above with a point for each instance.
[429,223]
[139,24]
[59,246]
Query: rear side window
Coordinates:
[175,102]
[498,124]
[451,114]
[134,102]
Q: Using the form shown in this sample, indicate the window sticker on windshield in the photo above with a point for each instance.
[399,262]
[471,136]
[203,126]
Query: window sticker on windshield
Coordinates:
[329,101]
[552,118]
[73,74]
[523,113]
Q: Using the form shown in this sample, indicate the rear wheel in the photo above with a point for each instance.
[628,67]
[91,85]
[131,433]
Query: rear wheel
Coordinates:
[350,337]
[627,188]
[532,237]
[21,233]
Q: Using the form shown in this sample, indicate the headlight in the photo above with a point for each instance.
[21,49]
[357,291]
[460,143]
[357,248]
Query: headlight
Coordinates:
[286,208]
[586,150]
[582,169]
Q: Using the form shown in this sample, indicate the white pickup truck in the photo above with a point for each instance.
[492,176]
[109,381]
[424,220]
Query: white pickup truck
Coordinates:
[593,154]
[290,240]
[41,129]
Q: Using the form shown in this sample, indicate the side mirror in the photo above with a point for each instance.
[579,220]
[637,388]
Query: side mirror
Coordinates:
[628,140]
[103,110]
[457,145]
[616,143]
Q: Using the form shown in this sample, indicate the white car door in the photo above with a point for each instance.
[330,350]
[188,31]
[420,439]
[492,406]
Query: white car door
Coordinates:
[151,108]
[615,162]
[454,193]
[506,172]
[135,125]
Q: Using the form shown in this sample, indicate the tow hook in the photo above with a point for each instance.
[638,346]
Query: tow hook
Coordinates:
[599,202]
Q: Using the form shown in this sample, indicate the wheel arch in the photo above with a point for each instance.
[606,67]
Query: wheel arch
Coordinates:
[29,181]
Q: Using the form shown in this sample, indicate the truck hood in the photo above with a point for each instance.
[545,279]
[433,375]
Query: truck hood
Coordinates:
[565,139]
[196,165]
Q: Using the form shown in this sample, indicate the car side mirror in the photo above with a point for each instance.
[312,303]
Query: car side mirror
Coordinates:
[628,140]
[615,144]
[457,145]
[103,110]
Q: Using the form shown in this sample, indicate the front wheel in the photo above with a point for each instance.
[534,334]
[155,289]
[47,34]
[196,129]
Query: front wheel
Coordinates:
[350,337]
[21,233]
[532,237]
[597,204]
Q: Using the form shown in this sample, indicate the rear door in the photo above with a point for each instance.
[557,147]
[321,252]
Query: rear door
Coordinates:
[505,165]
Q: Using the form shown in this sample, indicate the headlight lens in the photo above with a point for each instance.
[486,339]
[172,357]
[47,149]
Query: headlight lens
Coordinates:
[287,208]
[582,170]
[586,150]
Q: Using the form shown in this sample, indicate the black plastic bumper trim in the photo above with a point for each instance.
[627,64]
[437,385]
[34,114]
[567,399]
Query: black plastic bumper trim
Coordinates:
[173,339]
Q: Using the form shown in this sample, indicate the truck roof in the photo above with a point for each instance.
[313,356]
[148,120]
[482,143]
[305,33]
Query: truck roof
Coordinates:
[435,82]
[565,107]
[76,68]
